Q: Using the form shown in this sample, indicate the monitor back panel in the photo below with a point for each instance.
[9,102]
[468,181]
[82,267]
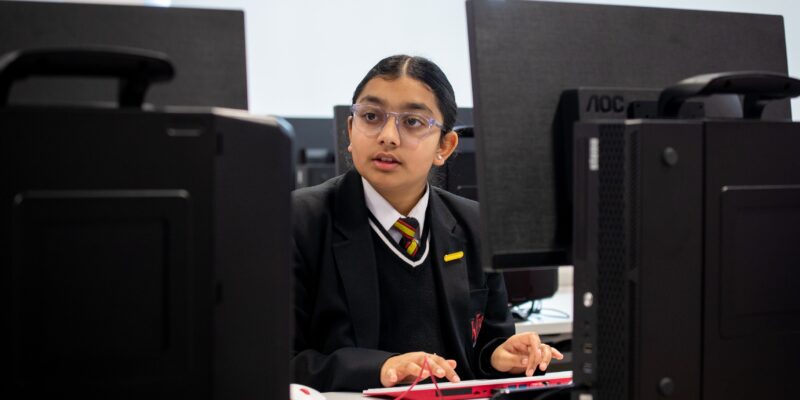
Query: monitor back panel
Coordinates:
[523,54]
[207,48]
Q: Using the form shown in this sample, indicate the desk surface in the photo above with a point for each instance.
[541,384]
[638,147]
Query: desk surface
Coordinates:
[342,395]
[555,317]
[347,396]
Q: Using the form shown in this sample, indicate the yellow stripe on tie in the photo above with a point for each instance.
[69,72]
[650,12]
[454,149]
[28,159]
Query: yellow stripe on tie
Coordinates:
[404,229]
[453,256]
[412,247]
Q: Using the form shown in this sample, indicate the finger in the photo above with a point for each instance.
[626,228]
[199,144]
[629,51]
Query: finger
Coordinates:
[452,363]
[443,369]
[534,358]
[520,361]
[533,339]
[530,339]
[547,355]
[424,366]
[436,369]
[391,377]
[517,347]
[425,375]
[557,354]
[536,345]
[531,361]
[527,340]
[410,371]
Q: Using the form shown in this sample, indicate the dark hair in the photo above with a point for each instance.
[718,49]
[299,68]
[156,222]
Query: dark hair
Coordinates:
[423,70]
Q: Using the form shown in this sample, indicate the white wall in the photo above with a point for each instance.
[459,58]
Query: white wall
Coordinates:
[304,56]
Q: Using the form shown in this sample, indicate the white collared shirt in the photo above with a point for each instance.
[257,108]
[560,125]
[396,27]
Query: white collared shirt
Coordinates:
[387,215]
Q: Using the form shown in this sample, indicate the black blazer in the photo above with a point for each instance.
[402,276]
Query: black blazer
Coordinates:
[336,287]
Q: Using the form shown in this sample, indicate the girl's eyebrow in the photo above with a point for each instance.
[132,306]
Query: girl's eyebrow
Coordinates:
[373,99]
[407,106]
[417,106]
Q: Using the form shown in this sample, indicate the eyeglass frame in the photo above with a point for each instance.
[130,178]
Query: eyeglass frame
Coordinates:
[430,121]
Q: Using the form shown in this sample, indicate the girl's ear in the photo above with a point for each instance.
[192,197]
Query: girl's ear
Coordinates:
[349,133]
[447,146]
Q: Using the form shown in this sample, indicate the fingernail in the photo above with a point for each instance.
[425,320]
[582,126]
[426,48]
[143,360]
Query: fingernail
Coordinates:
[525,361]
[543,366]
[439,371]
[529,372]
[456,378]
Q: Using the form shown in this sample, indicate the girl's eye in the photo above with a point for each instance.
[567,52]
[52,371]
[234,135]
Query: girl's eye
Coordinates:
[372,116]
[414,122]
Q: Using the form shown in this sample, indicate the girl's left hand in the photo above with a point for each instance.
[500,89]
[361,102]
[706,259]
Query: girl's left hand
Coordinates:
[523,352]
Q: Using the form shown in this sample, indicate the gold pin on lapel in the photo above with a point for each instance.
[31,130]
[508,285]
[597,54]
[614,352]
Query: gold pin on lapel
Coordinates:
[453,256]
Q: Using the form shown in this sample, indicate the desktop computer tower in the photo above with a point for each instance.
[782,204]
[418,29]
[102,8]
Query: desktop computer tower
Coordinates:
[685,247]
[144,253]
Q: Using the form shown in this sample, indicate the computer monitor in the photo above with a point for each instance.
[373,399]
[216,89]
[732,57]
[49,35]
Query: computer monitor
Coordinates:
[340,140]
[524,54]
[522,286]
[207,47]
[313,154]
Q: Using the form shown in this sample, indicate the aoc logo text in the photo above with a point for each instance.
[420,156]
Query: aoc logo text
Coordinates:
[605,104]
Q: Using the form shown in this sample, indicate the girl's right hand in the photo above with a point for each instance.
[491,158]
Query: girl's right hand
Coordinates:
[405,368]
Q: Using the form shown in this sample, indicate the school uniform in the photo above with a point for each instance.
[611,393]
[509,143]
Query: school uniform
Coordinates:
[359,300]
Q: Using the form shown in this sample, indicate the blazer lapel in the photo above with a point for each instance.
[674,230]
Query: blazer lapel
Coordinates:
[448,239]
[355,259]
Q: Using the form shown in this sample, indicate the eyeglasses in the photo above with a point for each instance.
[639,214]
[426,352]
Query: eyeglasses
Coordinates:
[369,120]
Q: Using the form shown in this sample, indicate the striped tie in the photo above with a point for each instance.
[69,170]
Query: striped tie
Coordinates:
[408,228]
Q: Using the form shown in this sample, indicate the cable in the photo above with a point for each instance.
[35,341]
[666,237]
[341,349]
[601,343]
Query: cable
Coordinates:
[425,366]
[560,314]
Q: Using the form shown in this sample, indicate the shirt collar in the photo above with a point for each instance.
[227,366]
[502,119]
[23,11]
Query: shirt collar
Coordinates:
[386,214]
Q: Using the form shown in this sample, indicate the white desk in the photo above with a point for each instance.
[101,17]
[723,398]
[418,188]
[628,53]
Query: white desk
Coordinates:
[342,396]
[348,396]
[555,318]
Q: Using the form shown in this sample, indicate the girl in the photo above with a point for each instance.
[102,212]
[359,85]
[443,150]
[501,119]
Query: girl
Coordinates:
[387,268]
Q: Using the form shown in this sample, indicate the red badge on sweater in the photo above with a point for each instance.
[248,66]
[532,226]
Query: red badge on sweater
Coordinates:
[476,327]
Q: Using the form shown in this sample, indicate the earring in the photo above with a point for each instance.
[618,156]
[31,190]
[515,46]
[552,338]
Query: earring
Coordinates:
[439,156]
